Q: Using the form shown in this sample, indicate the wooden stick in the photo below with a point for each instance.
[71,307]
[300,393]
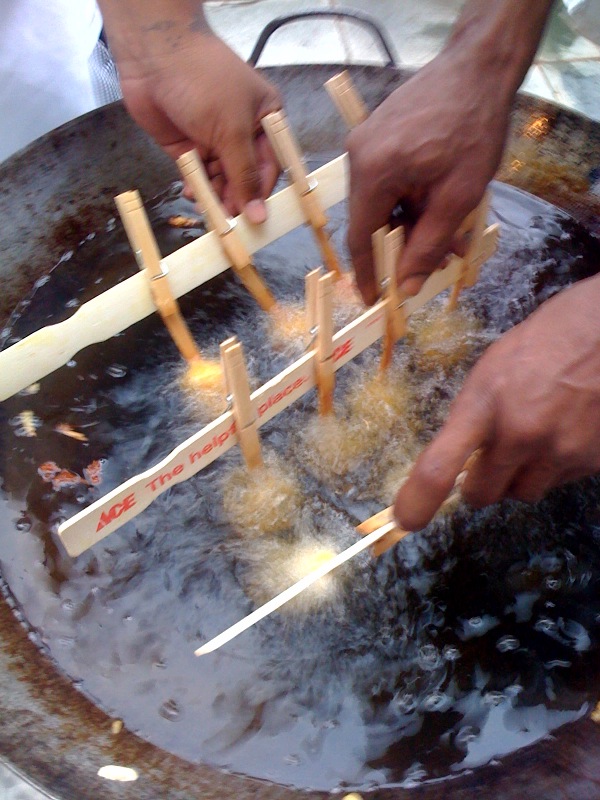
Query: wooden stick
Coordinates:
[193,171]
[349,103]
[44,351]
[474,225]
[236,378]
[124,502]
[143,243]
[325,370]
[291,592]
[396,324]
[288,154]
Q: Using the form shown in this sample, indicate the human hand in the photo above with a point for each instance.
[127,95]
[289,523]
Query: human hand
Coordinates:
[436,142]
[531,403]
[185,87]
[432,146]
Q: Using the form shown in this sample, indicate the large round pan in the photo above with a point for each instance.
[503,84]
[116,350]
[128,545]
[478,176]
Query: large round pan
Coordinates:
[55,192]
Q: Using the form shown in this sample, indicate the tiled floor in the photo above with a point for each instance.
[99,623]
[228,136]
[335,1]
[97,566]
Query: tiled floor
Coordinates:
[566,70]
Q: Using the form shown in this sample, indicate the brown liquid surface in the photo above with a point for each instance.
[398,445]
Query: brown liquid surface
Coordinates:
[462,644]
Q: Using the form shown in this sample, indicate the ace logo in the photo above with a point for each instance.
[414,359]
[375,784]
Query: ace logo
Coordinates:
[114,512]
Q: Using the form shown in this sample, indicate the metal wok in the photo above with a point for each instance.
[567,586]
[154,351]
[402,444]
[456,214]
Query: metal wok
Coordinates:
[54,193]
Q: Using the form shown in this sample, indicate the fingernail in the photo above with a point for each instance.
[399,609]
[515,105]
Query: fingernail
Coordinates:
[256,212]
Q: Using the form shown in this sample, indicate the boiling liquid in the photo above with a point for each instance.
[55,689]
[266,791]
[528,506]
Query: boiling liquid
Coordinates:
[457,646]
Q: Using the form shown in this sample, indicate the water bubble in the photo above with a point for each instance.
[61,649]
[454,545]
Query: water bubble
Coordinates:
[545,625]
[111,224]
[507,643]
[23,523]
[513,690]
[578,635]
[73,303]
[43,280]
[436,701]
[477,626]
[557,662]
[465,736]
[169,710]
[406,702]
[493,698]
[451,653]
[116,371]
[553,583]
[429,657]
[72,363]
[329,724]
[413,776]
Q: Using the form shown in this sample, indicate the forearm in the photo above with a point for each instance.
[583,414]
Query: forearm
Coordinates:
[138,30]
[497,40]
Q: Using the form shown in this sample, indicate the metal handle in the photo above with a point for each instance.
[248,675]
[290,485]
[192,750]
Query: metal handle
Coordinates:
[354,16]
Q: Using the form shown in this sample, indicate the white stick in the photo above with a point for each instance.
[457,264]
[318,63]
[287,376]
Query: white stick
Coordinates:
[293,591]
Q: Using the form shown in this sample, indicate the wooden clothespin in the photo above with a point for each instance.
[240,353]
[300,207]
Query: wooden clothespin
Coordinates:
[387,248]
[193,171]
[349,103]
[386,517]
[482,245]
[324,361]
[288,154]
[143,243]
[238,387]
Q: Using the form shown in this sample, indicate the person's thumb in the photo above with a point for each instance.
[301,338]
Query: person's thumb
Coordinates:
[239,161]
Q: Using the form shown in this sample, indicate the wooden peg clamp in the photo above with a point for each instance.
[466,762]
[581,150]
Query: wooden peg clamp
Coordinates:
[288,154]
[236,381]
[143,243]
[194,173]
[397,533]
[482,245]
[387,247]
[324,361]
[349,103]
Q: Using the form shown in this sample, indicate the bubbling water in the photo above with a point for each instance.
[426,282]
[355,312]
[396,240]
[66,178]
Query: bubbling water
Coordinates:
[264,500]
[457,646]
